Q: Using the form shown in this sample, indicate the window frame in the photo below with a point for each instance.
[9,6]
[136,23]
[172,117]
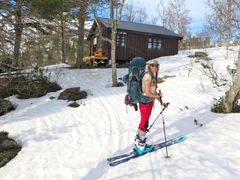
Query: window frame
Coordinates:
[154,43]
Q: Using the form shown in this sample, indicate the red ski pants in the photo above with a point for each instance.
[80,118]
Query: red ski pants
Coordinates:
[145,111]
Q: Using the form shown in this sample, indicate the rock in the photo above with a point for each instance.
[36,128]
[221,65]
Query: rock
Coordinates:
[3,93]
[3,161]
[201,54]
[72,94]
[8,144]
[8,148]
[5,106]
[51,97]
[74,104]
[120,84]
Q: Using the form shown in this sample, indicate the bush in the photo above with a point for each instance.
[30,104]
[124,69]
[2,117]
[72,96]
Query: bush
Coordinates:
[218,106]
[28,85]
[200,56]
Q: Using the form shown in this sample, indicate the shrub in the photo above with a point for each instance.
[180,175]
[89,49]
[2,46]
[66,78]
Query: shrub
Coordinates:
[28,85]
[218,106]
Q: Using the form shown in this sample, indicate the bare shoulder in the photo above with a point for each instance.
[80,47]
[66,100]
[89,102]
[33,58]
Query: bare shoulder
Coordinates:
[147,76]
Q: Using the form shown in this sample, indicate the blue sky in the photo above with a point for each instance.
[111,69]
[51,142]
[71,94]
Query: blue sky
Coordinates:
[198,10]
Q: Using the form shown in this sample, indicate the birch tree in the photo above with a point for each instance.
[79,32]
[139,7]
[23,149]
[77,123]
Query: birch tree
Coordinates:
[134,14]
[232,96]
[116,7]
[174,15]
[221,19]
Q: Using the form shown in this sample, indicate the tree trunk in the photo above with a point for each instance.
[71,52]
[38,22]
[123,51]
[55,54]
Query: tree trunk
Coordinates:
[113,59]
[81,20]
[233,94]
[18,32]
[62,26]
[114,25]
[229,24]
[113,44]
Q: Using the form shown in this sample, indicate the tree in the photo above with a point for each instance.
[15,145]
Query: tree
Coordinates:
[133,14]
[18,27]
[19,17]
[222,19]
[116,7]
[57,11]
[81,17]
[85,8]
[6,32]
[174,16]
[233,94]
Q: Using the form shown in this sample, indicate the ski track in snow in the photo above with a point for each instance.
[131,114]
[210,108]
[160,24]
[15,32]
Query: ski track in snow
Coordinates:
[60,142]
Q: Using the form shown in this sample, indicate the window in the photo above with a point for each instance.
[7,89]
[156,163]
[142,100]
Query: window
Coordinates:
[154,43]
[159,45]
[149,43]
[95,41]
[118,39]
[121,39]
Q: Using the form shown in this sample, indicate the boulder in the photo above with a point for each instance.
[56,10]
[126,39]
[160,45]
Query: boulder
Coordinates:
[74,104]
[5,106]
[201,54]
[8,144]
[72,94]
[8,148]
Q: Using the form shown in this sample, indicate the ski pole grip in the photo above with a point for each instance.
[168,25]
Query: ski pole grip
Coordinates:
[160,97]
[166,104]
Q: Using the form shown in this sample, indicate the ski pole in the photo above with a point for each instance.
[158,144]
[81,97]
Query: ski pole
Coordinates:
[164,129]
[165,137]
[157,117]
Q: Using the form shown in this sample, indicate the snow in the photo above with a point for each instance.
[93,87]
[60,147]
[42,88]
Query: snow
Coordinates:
[60,142]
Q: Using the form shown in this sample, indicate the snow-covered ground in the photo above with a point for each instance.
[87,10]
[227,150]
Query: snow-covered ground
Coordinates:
[63,143]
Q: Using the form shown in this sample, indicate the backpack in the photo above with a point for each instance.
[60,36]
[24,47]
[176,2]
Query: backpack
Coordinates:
[133,79]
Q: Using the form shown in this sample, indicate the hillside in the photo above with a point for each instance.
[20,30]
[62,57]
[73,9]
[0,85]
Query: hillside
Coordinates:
[66,143]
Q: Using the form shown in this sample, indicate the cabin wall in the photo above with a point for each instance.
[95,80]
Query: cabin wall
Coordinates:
[136,44]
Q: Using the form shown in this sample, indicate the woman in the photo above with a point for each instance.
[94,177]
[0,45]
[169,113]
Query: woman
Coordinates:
[149,94]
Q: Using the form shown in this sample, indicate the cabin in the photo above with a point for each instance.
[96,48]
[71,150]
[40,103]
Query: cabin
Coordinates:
[134,39]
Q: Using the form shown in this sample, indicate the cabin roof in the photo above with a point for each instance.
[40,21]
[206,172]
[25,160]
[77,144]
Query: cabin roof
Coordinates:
[142,28]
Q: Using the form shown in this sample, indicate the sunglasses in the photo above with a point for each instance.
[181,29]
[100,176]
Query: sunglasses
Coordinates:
[155,65]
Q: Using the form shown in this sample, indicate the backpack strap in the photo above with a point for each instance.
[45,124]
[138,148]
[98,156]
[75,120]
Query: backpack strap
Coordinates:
[140,82]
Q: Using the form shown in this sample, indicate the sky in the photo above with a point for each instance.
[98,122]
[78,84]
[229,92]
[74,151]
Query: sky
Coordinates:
[198,10]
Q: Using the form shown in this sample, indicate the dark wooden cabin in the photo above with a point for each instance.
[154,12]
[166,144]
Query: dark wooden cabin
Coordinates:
[135,39]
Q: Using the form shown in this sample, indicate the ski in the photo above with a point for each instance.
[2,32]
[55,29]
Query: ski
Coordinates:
[130,153]
[116,160]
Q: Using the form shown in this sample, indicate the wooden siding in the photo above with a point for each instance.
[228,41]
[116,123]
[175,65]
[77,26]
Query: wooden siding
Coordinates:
[136,44]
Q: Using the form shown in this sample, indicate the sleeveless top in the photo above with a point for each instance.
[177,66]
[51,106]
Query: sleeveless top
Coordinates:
[153,85]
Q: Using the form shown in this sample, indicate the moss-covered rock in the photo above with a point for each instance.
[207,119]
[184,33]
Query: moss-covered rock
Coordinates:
[5,106]
[25,87]
[8,148]
[72,94]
